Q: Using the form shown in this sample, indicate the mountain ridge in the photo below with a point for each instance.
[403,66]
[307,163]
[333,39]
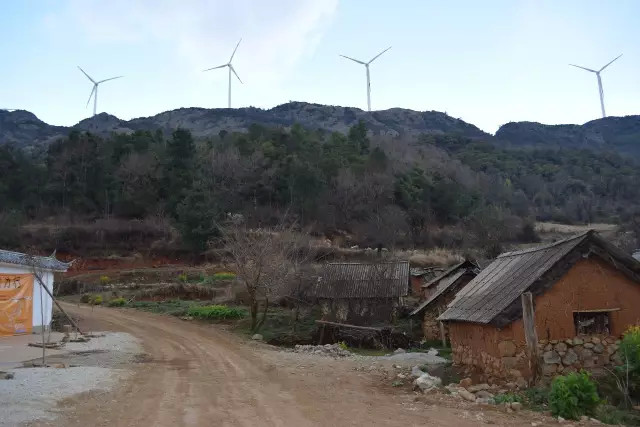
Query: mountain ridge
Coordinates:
[620,134]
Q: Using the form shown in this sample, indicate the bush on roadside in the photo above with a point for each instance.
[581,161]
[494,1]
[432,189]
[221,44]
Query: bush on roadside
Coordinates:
[630,353]
[96,299]
[573,395]
[85,298]
[104,280]
[117,302]
[216,312]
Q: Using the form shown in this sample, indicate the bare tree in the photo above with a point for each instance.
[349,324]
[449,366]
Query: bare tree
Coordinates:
[268,261]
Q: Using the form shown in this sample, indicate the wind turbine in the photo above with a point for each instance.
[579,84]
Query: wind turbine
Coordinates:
[599,81]
[94,91]
[366,64]
[231,69]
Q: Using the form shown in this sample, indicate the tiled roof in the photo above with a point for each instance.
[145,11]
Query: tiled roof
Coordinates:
[353,280]
[492,295]
[443,282]
[45,263]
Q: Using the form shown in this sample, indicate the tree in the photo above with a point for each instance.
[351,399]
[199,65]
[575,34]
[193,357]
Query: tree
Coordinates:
[178,174]
[267,261]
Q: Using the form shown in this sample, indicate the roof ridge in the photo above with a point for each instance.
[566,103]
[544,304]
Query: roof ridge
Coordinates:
[545,246]
[367,263]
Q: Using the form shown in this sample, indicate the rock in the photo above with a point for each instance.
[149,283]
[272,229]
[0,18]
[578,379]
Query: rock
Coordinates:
[578,341]
[596,340]
[401,376]
[511,385]
[507,348]
[549,369]
[59,366]
[427,382]
[561,347]
[521,382]
[509,362]
[483,394]
[478,387]
[6,375]
[465,382]
[570,358]
[593,420]
[551,357]
[467,395]
[548,347]
[416,372]
[588,345]
[560,420]
[257,337]
[484,400]
[516,406]
[584,418]
[598,348]
[586,354]
[399,351]
[568,342]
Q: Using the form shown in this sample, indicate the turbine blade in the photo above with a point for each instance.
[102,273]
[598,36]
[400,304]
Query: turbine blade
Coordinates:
[234,72]
[112,78]
[354,60]
[375,57]
[215,68]
[91,94]
[234,51]
[584,68]
[83,72]
[609,63]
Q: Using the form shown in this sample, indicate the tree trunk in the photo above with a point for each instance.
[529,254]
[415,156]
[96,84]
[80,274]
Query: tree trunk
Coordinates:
[254,313]
[264,314]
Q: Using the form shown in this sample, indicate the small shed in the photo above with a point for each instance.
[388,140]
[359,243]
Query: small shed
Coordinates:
[361,294]
[420,276]
[439,293]
[586,293]
[25,306]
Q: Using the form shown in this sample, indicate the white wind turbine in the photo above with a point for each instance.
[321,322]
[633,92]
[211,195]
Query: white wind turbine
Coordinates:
[366,64]
[599,81]
[231,69]
[94,91]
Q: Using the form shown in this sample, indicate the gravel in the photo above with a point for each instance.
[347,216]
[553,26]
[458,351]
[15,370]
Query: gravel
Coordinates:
[415,358]
[34,392]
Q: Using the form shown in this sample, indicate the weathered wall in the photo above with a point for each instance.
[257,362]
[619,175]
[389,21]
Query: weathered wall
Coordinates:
[591,284]
[360,311]
[430,323]
[416,286]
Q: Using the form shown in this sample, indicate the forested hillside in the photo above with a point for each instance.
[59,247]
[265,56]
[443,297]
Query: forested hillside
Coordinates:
[444,190]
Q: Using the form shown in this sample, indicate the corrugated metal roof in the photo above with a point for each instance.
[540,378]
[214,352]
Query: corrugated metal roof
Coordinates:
[505,279]
[353,280]
[465,263]
[45,263]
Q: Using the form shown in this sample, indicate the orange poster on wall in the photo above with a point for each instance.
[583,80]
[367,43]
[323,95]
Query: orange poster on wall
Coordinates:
[16,304]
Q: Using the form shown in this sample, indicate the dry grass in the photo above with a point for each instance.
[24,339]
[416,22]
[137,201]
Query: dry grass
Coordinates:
[432,257]
[552,227]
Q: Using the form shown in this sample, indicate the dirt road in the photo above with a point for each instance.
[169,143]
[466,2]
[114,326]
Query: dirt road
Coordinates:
[199,375]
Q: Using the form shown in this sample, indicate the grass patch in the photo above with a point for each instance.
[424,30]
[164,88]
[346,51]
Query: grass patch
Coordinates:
[174,307]
[280,328]
[216,312]
[507,398]
[611,415]
[117,302]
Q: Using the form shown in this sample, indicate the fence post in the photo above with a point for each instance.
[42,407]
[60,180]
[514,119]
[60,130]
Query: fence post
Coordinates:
[443,335]
[531,336]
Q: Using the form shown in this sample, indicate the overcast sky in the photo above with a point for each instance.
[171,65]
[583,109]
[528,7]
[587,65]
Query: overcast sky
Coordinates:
[487,62]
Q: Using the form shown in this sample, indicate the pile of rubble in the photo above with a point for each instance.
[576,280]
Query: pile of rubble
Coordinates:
[330,350]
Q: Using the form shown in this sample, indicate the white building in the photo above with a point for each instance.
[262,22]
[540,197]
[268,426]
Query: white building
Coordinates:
[25,306]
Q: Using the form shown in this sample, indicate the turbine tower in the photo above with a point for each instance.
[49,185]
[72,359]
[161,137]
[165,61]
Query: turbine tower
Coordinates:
[94,91]
[231,69]
[366,65]
[599,81]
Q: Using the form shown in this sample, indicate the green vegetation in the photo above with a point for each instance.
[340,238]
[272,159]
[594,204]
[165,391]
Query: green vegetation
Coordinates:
[612,415]
[104,280]
[174,307]
[630,352]
[216,312]
[117,302]
[507,398]
[96,300]
[573,395]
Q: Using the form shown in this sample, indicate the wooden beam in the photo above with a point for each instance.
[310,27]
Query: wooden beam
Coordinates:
[443,336]
[598,310]
[531,336]
[345,325]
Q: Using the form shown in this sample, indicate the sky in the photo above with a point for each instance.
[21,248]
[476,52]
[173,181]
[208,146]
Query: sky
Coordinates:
[486,62]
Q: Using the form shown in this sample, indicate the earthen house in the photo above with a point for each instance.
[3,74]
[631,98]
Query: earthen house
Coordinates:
[361,294]
[439,292]
[586,293]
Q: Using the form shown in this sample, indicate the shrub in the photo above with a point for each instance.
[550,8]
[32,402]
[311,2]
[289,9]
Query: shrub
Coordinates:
[343,345]
[630,353]
[85,298]
[507,398]
[96,299]
[537,396]
[216,312]
[224,275]
[104,280]
[117,302]
[183,277]
[573,395]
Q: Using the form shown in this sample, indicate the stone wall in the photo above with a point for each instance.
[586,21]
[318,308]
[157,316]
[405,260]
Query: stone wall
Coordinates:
[583,352]
[558,357]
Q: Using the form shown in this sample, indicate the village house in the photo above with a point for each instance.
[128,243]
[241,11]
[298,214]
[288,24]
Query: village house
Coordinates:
[439,292]
[586,293]
[25,304]
[420,276]
[361,294]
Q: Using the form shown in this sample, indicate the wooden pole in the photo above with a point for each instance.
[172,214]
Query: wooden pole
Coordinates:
[531,336]
[443,335]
